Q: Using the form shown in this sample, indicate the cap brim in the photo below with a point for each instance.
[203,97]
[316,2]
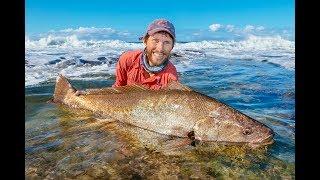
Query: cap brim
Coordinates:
[155,31]
[158,30]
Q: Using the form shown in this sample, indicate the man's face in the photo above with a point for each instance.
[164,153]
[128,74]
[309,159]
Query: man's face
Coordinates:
[158,47]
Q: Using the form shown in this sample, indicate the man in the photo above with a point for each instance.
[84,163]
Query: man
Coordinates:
[150,67]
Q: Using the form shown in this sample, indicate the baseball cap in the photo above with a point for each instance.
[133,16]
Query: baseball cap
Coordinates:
[160,25]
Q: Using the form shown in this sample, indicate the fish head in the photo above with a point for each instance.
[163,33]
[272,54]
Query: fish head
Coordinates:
[238,129]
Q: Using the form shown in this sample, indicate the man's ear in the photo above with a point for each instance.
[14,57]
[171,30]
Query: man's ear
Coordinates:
[144,40]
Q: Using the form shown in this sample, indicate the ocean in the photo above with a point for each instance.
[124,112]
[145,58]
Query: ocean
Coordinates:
[254,74]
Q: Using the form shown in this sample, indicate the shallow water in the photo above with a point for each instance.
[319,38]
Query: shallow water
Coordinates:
[65,143]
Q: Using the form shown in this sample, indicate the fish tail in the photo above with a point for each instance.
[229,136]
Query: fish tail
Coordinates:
[62,88]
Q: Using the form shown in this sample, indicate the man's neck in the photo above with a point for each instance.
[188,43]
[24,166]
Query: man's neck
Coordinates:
[152,68]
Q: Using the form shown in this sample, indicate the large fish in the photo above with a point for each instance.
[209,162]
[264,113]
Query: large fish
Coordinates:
[175,111]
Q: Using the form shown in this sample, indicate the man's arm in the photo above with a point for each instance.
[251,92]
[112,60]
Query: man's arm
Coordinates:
[121,72]
[173,74]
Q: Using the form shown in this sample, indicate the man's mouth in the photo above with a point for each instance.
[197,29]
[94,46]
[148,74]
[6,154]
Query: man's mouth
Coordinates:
[158,55]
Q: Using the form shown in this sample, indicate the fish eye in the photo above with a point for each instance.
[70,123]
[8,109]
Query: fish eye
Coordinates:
[247,131]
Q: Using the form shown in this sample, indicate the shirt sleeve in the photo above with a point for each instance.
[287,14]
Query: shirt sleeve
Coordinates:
[121,72]
[173,75]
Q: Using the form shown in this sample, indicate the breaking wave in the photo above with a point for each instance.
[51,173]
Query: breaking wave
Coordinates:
[93,59]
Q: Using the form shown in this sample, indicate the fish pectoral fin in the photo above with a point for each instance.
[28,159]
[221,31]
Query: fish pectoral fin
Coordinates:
[194,140]
[176,143]
[178,86]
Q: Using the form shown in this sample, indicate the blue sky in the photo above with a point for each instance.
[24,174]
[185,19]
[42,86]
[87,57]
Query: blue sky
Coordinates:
[124,15]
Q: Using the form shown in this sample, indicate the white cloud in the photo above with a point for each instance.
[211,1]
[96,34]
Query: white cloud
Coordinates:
[260,28]
[124,33]
[64,30]
[230,28]
[215,27]
[88,30]
[249,28]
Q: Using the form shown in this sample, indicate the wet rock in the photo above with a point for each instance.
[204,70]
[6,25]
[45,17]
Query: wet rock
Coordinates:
[34,176]
[84,177]
[111,172]
[194,51]
[77,57]
[53,62]
[90,62]
[31,170]
[114,59]
[136,176]
[76,172]
[98,172]
[194,177]
[175,55]
[101,58]
[166,173]
[26,62]
[62,57]
[66,63]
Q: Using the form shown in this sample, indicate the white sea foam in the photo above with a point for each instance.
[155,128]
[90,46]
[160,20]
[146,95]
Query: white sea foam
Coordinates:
[76,57]
[272,49]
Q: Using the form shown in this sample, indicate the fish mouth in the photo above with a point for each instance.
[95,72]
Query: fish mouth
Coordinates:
[266,141]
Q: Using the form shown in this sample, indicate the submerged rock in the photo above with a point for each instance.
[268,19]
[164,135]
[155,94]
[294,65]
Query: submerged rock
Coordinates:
[175,55]
[101,58]
[26,63]
[53,62]
[90,62]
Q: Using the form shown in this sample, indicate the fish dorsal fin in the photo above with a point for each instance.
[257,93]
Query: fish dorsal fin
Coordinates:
[62,88]
[175,85]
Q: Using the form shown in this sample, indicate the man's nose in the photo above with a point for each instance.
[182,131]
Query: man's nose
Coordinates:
[160,46]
